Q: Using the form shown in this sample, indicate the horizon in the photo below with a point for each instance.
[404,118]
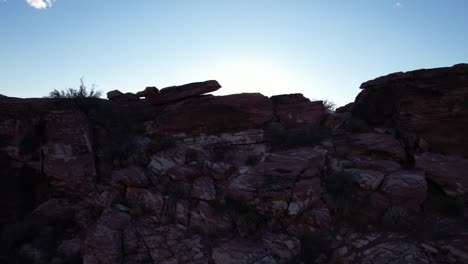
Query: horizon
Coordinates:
[320,49]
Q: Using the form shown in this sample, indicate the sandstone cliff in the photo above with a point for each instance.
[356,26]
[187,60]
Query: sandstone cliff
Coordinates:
[179,176]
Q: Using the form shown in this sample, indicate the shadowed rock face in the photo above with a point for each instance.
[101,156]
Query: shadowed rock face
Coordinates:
[431,105]
[183,178]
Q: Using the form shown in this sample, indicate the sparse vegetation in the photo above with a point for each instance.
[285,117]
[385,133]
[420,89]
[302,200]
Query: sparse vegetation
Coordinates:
[329,106]
[81,92]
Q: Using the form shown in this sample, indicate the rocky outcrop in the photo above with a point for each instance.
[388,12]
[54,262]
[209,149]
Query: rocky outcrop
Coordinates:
[294,111]
[183,177]
[148,92]
[448,172]
[425,105]
[122,98]
[175,93]
[215,114]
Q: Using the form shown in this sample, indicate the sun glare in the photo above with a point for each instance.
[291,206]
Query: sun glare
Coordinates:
[254,75]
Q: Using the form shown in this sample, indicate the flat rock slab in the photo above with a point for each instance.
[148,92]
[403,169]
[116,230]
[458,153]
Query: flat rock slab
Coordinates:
[175,93]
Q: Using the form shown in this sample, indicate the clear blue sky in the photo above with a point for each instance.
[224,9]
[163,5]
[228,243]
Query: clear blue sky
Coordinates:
[322,48]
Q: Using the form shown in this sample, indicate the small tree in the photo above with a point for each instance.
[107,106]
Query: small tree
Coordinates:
[81,92]
[329,105]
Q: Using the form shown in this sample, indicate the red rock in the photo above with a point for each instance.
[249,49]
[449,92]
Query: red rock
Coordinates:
[149,243]
[148,92]
[405,188]
[104,243]
[131,177]
[69,145]
[122,98]
[449,172]
[268,187]
[215,114]
[383,146]
[240,251]
[184,177]
[204,218]
[427,104]
[368,180]
[204,189]
[311,221]
[174,93]
[306,195]
[151,202]
[294,111]
[282,248]
[368,163]
[55,209]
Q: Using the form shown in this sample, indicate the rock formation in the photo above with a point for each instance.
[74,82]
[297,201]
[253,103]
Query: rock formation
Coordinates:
[185,177]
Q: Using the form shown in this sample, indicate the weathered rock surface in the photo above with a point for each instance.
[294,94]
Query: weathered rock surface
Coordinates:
[405,188]
[174,93]
[428,104]
[449,172]
[68,160]
[202,179]
[294,111]
[215,114]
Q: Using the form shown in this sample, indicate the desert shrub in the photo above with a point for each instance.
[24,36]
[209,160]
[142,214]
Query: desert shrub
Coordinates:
[81,92]
[191,155]
[329,106]
[348,205]
[161,144]
[252,160]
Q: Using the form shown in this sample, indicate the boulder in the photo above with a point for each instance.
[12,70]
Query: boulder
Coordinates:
[214,114]
[377,146]
[148,92]
[405,188]
[448,172]
[122,98]
[294,111]
[428,104]
[175,93]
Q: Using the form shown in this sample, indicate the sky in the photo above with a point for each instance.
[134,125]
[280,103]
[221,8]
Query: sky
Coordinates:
[322,48]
